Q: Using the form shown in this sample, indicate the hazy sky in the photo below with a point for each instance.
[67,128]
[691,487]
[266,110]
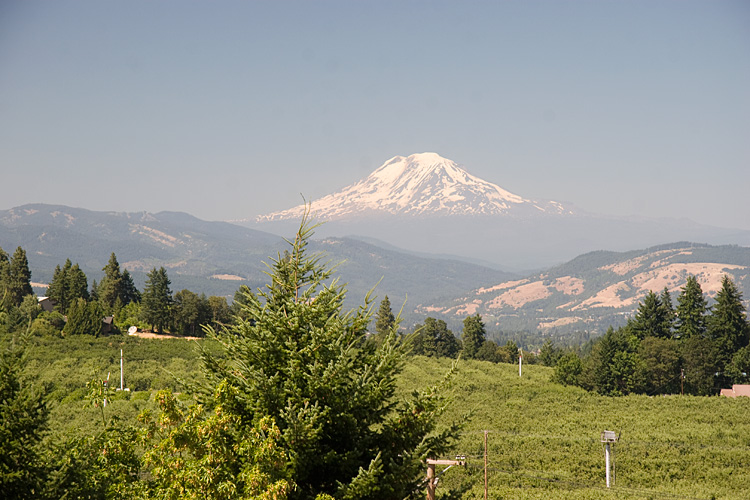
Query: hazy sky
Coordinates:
[228,110]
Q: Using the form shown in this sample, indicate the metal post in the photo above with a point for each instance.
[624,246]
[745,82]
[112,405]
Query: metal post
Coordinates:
[606,458]
[485,465]
[520,361]
[122,373]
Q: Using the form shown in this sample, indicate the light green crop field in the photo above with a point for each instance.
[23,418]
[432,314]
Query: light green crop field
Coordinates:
[544,439]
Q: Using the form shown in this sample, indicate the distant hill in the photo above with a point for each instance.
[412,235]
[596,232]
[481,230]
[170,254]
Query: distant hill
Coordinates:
[599,289]
[217,257]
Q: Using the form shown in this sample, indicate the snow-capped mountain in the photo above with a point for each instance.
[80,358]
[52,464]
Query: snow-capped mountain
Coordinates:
[421,184]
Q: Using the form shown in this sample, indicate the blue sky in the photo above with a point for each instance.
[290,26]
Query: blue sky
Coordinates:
[228,109]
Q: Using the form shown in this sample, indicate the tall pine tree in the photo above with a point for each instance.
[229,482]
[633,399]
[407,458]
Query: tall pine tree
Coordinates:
[473,335]
[691,310]
[109,290]
[156,300]
[292,356]
[384,320]
[727,324]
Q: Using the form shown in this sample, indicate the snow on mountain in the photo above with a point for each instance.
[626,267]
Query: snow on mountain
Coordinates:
[420,184]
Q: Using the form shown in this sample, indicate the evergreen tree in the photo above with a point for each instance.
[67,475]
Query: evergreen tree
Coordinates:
[691,310]
[129,293]
[84,318]
[549,354]
[568,369]
[78,285]
[292,356]
[110,287]
[435,339]
[56,290]
[669,312]
[68,283]
[613,367]
[727,324]
[651,319]
[189,312]
[157,300]
[23,418]
[661,365]
[220,311]
[20,277]
[473,336]
[384,320]
[4,280]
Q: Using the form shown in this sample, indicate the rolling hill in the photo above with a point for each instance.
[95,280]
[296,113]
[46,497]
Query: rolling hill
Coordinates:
[599,289]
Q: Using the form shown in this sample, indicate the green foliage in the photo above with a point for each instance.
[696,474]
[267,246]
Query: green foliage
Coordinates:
[435,339]
[613,367]
[68,283]
[293,356]
[128,316]
[109,290]
[473,336]
[189,311]
[727,324]
[23,419]
[549,354]
[543,439]
[157,300]
[84,318]
[691,310]
[194,455]
[738,371]
[651,319]
[385,321]
[19,284]
[568,369]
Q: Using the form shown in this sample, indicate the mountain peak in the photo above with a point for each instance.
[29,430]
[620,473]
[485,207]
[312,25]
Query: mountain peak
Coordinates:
[420,184]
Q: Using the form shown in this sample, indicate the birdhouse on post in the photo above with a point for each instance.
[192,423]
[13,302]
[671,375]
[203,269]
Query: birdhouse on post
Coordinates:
[609,438]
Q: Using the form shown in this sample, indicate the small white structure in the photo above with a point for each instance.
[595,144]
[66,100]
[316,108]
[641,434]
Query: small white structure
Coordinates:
[609,438]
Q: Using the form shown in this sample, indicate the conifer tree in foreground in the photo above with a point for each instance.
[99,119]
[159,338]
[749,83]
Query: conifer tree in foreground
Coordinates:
[297,358]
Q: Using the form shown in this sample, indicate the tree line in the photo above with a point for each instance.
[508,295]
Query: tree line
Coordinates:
[433,338]
[689,348]
[79,310]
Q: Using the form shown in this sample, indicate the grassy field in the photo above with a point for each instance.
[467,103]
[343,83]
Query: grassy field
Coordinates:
[543,439]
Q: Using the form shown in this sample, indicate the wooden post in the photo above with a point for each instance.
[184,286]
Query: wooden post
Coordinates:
[485,465]
[430,481]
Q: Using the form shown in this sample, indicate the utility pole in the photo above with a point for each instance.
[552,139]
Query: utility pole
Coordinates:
[485,465]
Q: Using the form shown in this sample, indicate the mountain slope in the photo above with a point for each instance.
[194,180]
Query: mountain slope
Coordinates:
[601,288]
[420,184]
[217,257]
